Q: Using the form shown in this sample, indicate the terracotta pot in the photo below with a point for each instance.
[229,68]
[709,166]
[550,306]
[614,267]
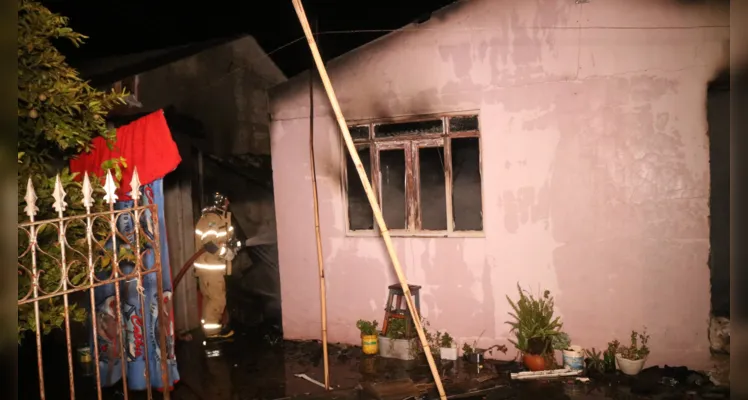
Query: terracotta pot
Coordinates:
[533,362]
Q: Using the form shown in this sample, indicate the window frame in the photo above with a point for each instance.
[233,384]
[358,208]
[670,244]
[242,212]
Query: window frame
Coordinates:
[411,145]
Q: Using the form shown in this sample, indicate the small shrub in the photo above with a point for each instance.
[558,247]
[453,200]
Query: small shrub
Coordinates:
[367,328]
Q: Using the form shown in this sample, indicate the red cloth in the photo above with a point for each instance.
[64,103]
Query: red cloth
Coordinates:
[145,143]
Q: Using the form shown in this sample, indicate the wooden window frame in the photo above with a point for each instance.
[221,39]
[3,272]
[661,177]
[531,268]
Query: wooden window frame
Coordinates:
[133,81]
[411,145]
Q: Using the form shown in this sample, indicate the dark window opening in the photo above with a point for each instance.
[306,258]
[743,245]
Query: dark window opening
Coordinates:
[433,191]
[408,128]
[467,199]
[359,132]
[360,215]
[392,178]
[463,124]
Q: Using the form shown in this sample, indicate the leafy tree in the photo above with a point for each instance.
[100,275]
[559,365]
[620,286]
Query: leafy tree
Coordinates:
[59,114]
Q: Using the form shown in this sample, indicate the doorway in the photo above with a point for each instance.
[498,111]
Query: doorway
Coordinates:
[718,118]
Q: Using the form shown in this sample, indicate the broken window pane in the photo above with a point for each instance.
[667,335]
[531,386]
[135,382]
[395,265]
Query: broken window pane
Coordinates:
[360,216]
[359,132]
[466,185]
[463,124]
[392,178]
[408,128]
[433,198]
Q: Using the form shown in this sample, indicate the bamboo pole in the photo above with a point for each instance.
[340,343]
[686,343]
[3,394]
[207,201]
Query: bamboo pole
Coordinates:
[369,194]
[320,262]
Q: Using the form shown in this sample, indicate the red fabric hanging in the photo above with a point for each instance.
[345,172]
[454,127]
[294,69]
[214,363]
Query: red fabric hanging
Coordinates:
[145,143]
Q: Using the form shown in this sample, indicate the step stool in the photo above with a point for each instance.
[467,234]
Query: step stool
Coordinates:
[401,311]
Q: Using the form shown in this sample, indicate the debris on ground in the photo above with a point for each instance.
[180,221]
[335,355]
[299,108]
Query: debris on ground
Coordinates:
[393,390]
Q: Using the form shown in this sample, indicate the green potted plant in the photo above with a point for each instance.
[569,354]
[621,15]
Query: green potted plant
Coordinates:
[631,359]
[475,355]
[447,346]
[395,344]
[369,343]
[594,362]
[609,358]
[433,340]
[534,328]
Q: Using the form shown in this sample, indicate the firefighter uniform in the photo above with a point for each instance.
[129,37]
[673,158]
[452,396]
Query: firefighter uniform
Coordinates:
[214,233]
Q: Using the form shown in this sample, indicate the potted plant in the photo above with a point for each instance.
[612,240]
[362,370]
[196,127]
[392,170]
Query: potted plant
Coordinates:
[631,359]
[369,344]
[475,355]
[594,363]
[395,344]
[609,358]
[572,355]
[433,340]
[534,328]
[447,346]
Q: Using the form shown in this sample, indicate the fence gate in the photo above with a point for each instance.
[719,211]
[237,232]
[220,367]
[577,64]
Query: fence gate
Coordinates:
[75,249]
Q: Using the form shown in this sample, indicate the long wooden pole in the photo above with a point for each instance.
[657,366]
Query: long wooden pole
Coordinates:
[320,262]
[369,194]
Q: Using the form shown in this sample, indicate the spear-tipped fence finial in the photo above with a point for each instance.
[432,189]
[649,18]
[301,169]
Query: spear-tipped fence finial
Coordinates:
[59,195]
[30,198]
[87,192]
[110,188]
[135,186]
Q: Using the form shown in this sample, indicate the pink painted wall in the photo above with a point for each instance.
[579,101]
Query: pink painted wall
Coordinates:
[595,171]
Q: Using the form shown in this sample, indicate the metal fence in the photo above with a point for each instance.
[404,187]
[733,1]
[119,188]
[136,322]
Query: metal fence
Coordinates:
[73,254]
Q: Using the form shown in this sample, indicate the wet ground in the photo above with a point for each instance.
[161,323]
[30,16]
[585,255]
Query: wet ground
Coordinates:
[259,366]
[253,367]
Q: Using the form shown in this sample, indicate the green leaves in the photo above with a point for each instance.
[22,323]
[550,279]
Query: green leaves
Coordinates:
[367,327]
[59,114]
[533,318]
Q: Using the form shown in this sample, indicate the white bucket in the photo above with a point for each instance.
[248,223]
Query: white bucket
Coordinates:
[574,358]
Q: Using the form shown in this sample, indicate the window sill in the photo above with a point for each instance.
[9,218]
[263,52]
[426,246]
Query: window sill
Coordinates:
[420,234]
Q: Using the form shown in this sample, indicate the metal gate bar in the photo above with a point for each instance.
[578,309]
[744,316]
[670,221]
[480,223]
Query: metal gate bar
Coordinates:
[82,258]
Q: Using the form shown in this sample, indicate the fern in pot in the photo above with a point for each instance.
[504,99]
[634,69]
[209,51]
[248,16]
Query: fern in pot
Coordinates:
[631,359]
[534,328]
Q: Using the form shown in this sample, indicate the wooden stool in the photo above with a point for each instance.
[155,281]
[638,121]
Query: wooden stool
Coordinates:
[401,311]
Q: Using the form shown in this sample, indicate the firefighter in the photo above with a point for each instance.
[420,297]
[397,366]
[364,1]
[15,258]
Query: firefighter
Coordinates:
[214,233]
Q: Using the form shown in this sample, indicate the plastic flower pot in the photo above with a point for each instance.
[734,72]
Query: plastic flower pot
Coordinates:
[448,353]
[630,367]
[574,358]
[369,344]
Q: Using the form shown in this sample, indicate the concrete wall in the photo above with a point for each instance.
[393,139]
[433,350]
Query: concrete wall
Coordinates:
[224,88]
[595,168]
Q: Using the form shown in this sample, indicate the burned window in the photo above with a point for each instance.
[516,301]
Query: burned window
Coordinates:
[359,132]
[409,129]
[467,203]
[360,215]
[425,173]
[432,182]
[392,184]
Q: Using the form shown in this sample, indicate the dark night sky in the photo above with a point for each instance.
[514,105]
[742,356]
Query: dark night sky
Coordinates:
[122,27]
